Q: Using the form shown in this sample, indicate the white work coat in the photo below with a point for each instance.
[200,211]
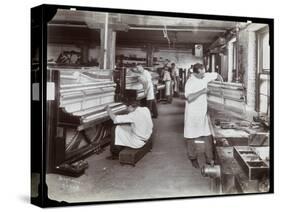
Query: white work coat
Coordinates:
[175,73]
[168,85]
[145,78]
[137,131]
[195,117]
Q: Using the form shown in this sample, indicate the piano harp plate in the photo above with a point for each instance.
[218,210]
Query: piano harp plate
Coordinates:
[77,97]
[85,84]
[81,88]
[84,119]
[95,109]
[102,114]
[65,101]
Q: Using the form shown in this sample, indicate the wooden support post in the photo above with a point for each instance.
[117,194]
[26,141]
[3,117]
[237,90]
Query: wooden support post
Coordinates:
[213,62]
[85,54]
[109,52]
[237,55]
[108,45]
[230,61]
[251,70]
[149,55]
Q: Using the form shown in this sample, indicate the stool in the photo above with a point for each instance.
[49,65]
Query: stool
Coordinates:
[132,156]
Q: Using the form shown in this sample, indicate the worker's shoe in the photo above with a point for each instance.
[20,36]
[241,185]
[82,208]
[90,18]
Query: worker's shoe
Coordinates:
[195,163]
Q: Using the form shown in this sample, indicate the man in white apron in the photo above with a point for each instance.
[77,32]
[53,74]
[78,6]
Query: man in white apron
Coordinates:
[146,80]
[168,84]
[196,127]
[132,130]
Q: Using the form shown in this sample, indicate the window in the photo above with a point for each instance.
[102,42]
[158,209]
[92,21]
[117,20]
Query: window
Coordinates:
[232,60]
[263,81]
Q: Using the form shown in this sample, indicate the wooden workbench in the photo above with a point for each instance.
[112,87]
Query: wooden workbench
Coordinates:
[233,179]
[241,136]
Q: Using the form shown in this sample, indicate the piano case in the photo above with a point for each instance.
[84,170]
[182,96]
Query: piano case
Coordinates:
[132,156]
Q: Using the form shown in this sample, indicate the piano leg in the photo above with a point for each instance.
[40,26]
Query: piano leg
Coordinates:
[75,153]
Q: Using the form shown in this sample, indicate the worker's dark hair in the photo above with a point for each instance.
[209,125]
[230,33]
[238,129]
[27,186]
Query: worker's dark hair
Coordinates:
[173,64]
[197,67]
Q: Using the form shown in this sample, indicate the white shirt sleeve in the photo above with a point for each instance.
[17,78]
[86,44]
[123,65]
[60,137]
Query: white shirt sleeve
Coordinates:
[121,119]
[210,76]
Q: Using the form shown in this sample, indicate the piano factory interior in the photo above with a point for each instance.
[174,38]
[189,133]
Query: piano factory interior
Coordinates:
[95,62]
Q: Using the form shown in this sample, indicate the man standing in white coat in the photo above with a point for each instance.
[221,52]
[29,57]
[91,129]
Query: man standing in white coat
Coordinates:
[196,126]
[146,80]
[132,130]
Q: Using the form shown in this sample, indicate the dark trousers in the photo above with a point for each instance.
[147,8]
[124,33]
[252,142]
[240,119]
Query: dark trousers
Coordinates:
[192,151]
[114,149]
[152,106]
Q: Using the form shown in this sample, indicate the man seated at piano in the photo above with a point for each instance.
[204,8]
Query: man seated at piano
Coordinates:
[146,80]
[132,129]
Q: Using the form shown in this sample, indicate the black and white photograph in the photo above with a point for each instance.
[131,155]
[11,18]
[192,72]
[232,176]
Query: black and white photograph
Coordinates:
[143,105]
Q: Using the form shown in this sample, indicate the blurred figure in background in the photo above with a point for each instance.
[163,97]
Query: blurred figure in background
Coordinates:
[176,79]
[167,79]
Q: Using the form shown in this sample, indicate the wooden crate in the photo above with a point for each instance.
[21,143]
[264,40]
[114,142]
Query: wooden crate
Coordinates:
[250,162]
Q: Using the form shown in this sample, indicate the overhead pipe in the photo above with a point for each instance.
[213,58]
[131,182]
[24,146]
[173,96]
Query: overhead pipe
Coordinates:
[228,35]
[218,43]
[178,29]
[69,25]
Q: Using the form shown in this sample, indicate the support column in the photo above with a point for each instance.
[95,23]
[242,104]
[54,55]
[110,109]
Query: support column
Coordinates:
[213,68]
[230,62]
[149,55]
[108,45]
[85,54]
[251,71]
